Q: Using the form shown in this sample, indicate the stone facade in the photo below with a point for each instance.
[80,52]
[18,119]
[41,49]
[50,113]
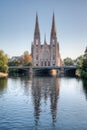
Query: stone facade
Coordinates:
[46,54]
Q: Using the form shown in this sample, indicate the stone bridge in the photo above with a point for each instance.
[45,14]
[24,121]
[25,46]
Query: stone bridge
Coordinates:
[44,70]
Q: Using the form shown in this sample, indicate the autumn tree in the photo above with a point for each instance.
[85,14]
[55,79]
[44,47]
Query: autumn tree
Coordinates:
[27,59]
[3,61]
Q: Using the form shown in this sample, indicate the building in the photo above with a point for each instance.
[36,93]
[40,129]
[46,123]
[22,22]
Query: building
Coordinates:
[45,54]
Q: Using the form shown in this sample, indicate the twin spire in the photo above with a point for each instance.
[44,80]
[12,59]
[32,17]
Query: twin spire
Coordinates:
[45,39]
[53,29]
[37,30]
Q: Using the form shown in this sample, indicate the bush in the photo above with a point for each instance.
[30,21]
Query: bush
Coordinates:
[84,74]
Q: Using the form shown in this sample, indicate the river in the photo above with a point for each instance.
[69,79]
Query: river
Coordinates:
[43,103]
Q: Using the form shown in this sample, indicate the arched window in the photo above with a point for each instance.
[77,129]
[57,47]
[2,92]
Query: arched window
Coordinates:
[53,64]
[48,63]
[42,63]
[36,41]
[45,63]
[53,42]
[53,57]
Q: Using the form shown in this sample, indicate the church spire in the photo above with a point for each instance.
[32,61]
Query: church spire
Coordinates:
[45,38]
[53,29]
[37,31]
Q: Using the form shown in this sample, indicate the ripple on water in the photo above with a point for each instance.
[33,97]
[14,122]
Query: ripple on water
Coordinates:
[43,103]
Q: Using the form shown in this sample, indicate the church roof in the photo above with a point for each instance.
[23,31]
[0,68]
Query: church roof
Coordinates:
[47,46]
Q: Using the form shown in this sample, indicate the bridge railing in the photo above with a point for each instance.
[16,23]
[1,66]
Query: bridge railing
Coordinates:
[16,67]
[42,67]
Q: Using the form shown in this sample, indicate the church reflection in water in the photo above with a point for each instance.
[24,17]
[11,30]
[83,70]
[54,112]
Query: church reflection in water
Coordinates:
[45,89]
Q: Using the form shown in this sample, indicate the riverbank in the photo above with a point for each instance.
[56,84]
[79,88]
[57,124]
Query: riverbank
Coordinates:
[2,75]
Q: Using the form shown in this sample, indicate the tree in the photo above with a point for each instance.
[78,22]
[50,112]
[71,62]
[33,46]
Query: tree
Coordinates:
[84,66]
[27,59]
[3,62]
[86,51]
[24,59]
[79,61]
[84,62]
[14,63]
[68,61]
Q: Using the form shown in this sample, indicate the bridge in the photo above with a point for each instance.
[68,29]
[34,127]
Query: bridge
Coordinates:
[43,69]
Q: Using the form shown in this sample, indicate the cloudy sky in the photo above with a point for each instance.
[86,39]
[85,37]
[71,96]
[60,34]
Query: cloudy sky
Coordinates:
[17,23]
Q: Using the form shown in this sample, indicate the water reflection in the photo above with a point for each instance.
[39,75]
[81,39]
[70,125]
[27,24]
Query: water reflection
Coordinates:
[26,82]
[85,87]
[55,84]
[3,85]
[34,103]
[45,89]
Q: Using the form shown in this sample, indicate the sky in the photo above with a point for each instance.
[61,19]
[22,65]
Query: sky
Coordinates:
[17,23]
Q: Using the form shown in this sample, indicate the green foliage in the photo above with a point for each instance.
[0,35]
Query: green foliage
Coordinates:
[84,67]
[86,51]
[3,62]
[14,63]
[24,60]
[29,64]
[79,61]
[84,74]
[68,61]
[85,84]
[84,63]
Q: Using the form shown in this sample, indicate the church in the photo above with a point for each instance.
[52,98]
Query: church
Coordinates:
[45,54]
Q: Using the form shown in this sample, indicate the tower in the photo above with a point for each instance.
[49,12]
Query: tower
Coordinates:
[36,44]
[53,29]
[37,32]
[55,56]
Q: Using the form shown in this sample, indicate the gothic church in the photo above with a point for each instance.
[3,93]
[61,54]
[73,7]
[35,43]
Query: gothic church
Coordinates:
[45,54]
